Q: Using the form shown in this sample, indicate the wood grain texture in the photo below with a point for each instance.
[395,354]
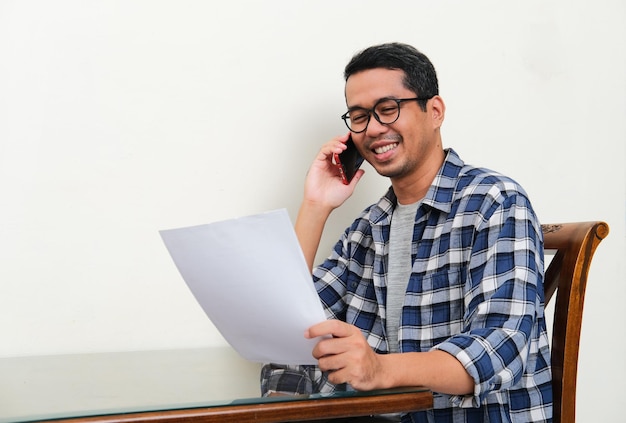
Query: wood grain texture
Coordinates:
[575,244]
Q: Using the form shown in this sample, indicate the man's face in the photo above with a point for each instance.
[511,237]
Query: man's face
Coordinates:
[398,150]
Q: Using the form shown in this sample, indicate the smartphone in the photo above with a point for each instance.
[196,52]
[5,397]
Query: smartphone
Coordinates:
[348,162]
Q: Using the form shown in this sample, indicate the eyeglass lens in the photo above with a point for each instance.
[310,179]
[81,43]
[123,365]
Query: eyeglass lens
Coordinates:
[385,111]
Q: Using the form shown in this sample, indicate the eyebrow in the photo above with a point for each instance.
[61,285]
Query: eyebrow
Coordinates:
[389,97]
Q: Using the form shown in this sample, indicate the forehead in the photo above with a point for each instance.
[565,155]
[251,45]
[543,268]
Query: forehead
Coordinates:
[365,88]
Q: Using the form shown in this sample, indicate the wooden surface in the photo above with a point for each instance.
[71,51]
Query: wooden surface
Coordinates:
[575,245]
[303,410]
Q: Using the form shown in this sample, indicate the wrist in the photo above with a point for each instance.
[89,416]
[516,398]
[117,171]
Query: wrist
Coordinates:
[316,208]
[387,371]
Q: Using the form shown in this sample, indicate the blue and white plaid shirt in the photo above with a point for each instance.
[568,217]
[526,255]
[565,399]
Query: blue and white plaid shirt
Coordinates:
[476,292]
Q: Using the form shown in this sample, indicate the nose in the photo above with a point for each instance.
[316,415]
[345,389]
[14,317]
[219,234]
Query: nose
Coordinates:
[375,128]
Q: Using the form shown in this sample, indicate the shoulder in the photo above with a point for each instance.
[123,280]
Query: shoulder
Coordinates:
[480,191]
[484,182]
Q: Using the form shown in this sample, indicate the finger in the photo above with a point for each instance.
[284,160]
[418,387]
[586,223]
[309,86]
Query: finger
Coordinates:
[330,363]
[332,327]
[329,150]
[336,146]
[338,376]
[334,347]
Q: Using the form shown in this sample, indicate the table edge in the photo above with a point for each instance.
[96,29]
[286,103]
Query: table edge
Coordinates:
[293,410]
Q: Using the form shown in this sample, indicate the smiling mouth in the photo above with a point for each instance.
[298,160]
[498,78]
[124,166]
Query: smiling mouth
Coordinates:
[385,148]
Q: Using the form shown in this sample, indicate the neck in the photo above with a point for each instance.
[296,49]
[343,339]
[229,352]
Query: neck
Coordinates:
[412,188]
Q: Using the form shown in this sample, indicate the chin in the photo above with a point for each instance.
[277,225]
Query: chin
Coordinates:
[390,171]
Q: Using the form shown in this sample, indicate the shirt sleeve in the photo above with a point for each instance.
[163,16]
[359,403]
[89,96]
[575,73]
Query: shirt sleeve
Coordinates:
[294,380]
[503,299]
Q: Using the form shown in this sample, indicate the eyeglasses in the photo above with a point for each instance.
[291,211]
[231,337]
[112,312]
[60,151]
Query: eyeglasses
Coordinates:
[386,111]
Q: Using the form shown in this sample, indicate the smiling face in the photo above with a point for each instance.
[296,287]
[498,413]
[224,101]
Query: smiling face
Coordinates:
[408,151]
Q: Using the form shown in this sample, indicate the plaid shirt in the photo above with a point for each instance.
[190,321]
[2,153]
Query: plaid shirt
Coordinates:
[476,292]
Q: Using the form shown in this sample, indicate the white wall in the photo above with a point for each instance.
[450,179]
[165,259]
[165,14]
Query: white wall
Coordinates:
[120,118]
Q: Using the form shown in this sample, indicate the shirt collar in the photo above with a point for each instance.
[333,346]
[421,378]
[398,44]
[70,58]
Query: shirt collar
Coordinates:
[439,195]
[441,192]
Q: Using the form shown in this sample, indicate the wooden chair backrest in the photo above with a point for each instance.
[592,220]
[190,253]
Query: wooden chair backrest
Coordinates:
[574,245]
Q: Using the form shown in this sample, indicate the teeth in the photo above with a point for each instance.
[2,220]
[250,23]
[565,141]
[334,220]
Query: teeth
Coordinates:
[385,148]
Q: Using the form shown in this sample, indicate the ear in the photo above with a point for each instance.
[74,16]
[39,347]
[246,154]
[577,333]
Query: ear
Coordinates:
[437,111]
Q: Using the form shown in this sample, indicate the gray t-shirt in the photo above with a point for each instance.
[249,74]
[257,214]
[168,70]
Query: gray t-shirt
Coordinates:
[399,267]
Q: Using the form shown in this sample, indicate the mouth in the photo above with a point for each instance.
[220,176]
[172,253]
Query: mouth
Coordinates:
[385,148]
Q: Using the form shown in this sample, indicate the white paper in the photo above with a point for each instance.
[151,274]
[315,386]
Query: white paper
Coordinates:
[251,279]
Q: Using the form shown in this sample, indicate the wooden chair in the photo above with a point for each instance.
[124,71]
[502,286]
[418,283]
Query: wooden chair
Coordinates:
[575,244]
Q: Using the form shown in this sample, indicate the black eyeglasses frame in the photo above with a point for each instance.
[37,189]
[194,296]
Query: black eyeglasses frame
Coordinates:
[372,111]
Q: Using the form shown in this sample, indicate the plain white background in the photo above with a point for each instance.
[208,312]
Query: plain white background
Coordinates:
[121,118]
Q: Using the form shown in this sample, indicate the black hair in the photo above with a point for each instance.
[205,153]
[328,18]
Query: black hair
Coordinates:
[420,75]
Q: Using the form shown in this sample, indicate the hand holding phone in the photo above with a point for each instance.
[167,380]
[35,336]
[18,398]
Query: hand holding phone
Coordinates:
[348,162]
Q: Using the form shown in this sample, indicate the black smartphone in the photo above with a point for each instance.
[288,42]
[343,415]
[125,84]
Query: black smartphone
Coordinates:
[348,161]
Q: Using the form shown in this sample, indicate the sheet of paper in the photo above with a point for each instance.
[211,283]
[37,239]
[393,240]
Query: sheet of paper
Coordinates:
[251,279]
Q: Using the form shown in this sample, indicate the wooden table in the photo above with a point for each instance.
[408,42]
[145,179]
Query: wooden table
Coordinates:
[205,385]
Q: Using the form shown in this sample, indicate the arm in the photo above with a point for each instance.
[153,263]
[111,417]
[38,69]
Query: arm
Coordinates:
[504,341]
[323,192]
[348,358]
[309,227]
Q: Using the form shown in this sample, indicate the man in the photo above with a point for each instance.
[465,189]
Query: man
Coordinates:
[438,284]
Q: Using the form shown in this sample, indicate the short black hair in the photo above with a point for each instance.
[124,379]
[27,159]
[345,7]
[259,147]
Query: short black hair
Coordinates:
[420,75]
